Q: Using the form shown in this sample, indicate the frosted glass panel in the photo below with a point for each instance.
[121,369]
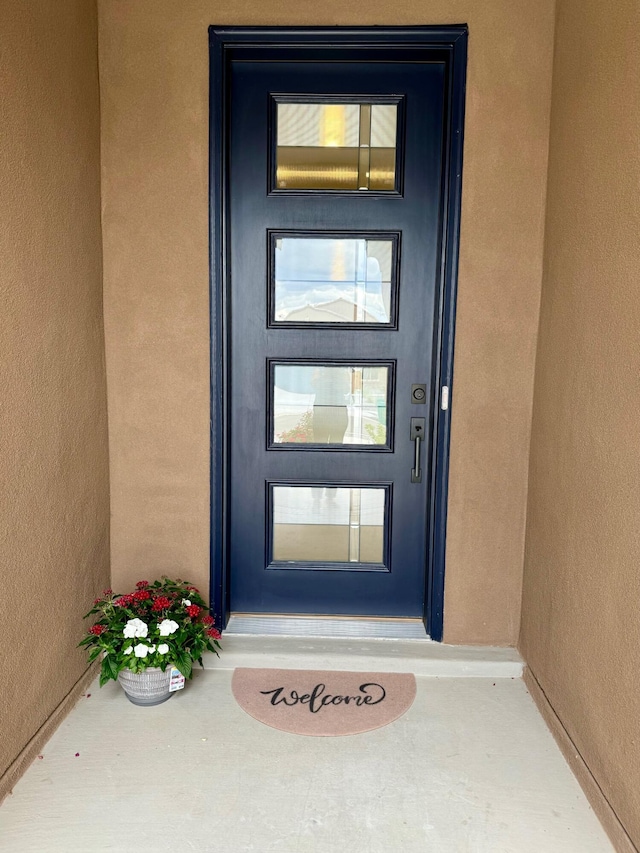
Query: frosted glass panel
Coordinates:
[333,280]
[318,125]
[384,118]
[330,404]
[328,525]
[336,146]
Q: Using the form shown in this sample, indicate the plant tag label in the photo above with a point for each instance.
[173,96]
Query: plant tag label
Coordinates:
[177,680]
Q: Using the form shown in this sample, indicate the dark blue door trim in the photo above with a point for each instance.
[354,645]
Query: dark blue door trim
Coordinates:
[227,44]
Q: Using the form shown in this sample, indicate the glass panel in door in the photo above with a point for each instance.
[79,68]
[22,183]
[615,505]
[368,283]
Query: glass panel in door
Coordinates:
[334,279]
[336,145]
[323,527]
[340,405]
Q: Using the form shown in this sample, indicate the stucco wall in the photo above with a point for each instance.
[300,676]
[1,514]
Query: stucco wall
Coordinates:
[581,629]
[54,499]
[154,87]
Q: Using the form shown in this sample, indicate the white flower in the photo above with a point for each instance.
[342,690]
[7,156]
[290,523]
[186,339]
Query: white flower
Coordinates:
[152,649]
[135,628]
[167,627]
[186,602]
[163,648]
[128,650]
[141,651]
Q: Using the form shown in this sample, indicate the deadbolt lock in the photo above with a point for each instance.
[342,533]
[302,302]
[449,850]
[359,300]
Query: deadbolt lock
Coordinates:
[418,393]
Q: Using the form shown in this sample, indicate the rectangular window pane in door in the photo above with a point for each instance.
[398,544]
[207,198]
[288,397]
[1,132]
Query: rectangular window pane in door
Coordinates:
[326,524]
[336,146]
[333,279]
[339,405]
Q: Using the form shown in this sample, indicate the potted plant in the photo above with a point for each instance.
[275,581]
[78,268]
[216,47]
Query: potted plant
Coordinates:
[145,634]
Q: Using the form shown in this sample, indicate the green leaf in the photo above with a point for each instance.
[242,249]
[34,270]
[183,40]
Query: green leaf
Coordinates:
[185,666]
[211,646]
[95,609]
[105,673]
[109,663]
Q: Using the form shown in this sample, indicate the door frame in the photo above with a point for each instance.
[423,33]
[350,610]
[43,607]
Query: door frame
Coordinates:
[226,44]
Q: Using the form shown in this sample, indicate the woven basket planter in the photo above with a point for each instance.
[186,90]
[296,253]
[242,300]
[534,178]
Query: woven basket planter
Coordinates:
[149,687]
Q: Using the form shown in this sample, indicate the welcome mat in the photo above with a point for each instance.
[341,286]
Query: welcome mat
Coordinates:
[323,703]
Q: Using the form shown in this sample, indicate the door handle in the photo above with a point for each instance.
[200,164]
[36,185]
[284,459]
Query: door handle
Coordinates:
[417,436]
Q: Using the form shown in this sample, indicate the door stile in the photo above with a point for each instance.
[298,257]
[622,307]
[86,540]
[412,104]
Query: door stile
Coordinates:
[450,250]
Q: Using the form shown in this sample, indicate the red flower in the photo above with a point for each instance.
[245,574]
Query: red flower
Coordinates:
[160,603]
[97,629]
[107,592]
[142,595]
[193,588]
[213,632]
[97,601]
[123,601]
[193,610]
[142,584]
[207,620]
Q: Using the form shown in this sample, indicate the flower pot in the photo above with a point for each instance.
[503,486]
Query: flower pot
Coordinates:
[149,687]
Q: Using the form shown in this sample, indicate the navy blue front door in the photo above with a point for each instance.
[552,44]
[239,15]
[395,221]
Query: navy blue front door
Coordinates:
[334,199]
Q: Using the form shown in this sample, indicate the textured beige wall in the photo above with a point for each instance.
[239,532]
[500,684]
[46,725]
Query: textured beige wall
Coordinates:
[581,629]
[54,498]
[154,87]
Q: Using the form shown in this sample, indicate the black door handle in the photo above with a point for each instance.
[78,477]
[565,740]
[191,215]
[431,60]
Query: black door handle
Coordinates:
[417,436]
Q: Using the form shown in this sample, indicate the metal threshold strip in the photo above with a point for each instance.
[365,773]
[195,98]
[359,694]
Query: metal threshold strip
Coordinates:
[324,626]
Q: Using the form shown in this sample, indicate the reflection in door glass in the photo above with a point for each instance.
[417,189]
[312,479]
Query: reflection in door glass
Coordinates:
[328,525]
[336,146]
[333,280]
[330,404]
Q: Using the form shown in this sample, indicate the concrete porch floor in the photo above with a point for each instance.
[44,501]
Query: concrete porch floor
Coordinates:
[470,768]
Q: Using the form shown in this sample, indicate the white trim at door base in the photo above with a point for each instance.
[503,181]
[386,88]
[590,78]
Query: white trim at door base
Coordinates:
[422,657]
[335,626]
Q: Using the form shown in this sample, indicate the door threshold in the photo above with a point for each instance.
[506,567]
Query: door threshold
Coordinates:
[326,626]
